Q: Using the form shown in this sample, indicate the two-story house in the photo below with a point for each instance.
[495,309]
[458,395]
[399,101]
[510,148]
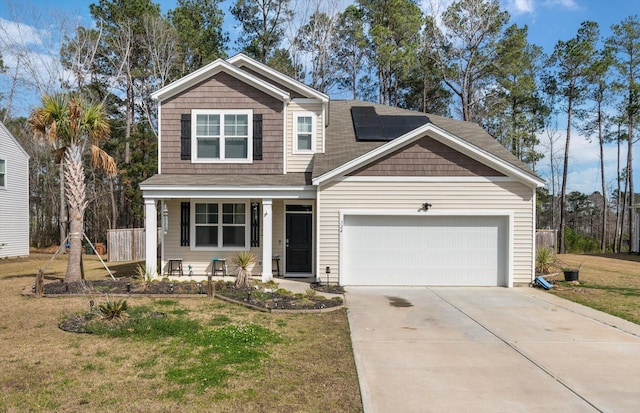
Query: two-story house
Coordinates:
[14,196]
[365,194]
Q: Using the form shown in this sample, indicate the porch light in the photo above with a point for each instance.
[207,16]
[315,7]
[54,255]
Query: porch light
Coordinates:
[165,218]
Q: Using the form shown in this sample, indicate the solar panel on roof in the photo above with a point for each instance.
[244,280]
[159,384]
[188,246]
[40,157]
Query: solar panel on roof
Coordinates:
[370,126]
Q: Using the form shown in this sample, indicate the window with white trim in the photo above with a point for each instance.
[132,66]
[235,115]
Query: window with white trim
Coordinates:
[222,135]
[220,225]
[304,132]
[3,173]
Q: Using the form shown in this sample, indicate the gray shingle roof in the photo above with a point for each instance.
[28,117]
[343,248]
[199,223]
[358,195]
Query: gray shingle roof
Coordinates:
[290,179]
[342,146]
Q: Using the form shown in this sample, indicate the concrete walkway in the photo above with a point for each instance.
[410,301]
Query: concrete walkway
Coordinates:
[490,350]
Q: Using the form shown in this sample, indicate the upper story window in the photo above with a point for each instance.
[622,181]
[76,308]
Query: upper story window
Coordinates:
[3,173]
[222,135]
[304,132]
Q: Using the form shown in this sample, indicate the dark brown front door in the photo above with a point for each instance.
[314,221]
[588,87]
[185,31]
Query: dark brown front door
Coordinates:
[299,242]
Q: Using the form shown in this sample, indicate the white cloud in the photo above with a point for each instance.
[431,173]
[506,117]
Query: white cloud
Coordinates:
[567,4]
[584,163]
[518,7]
[14,32]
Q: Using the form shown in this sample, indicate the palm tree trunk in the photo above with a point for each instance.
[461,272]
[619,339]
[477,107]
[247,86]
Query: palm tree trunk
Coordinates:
[76,202]
[63,209]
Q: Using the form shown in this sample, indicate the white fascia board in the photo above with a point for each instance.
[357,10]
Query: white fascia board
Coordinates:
[444,137]
[159,138]
[451,179]
[236,192]
[242,59]
[214,68]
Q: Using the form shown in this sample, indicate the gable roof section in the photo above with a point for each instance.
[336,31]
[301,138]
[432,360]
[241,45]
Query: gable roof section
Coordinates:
[211,69]
[345,154]
[241,60]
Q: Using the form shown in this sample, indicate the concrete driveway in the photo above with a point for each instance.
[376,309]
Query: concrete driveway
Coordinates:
[457,349]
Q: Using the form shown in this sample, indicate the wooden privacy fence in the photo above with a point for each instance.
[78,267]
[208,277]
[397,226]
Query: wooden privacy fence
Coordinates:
[126,244]
[547,238]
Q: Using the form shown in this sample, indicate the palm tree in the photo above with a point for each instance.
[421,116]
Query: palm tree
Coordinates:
[77,126]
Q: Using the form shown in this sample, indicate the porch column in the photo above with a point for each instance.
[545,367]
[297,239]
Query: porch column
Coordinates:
[267,239]
[151,236]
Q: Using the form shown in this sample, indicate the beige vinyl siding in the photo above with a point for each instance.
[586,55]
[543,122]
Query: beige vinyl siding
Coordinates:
[200,261]
[14,198]
[302,162]
[409,196]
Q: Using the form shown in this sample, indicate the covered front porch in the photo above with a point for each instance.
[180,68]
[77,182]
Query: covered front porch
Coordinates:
[203,231]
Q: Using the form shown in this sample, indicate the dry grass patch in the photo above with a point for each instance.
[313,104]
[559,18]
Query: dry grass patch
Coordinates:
[309,367]
[609,283]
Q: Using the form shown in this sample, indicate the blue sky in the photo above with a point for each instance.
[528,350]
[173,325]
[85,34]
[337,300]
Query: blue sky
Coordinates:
[548,22]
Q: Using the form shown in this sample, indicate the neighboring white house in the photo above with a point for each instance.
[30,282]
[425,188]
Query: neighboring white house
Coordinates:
[14,196]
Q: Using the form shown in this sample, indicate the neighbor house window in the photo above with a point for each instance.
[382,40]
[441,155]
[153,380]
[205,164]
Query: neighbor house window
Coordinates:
[304,128]
[221,225]
[222,136]
[3,173]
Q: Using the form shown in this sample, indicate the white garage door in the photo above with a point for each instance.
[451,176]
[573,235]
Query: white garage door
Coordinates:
[424,250]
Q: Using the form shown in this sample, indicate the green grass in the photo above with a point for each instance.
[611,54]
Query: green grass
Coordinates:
[202,356]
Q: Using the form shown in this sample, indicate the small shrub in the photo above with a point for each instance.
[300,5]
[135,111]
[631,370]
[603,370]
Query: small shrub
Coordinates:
[143,274]
[310,293]
[544,260]
[113,310]
[283,292]
[243,260]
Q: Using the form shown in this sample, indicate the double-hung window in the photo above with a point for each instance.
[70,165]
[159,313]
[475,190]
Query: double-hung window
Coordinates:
[3,173]
[304,132]
[220,225]
[222,135]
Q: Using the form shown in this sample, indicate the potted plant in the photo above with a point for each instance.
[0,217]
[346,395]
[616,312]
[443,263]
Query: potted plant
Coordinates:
[571,274]
[244,260]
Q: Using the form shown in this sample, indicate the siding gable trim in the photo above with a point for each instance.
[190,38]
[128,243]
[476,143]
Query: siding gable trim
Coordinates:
[243,60]
[212,69]
[444,137]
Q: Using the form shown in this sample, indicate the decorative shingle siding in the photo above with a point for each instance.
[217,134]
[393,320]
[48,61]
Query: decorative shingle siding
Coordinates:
[222,91]
[426,157]
[293,94]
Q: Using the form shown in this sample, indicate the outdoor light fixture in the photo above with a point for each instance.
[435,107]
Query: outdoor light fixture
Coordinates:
[165,218]
[128,287]
[327,271]
[426,206]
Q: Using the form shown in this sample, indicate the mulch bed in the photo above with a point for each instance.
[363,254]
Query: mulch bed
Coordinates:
[329,289]
[257,298]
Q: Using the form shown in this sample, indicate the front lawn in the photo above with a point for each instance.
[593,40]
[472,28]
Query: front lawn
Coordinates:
[200,355]
[609,283]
